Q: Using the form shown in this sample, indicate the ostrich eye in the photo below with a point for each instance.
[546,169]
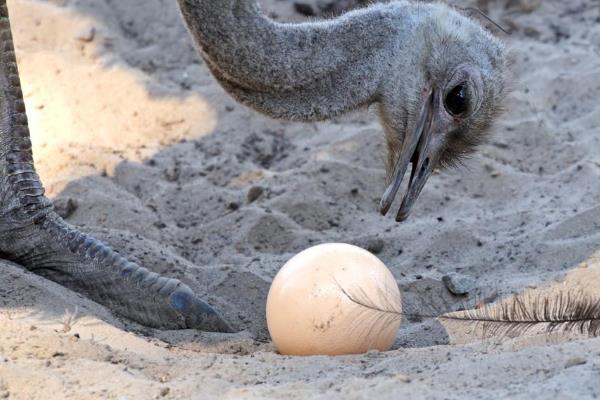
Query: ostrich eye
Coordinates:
[457,100]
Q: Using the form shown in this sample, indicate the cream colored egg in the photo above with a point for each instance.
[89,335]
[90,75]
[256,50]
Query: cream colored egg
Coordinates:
[327,300]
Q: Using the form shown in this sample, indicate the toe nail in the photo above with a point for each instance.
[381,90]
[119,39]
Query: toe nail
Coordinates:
[197,314]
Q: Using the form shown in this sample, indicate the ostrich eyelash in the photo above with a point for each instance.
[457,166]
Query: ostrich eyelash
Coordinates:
[568,311]
[477,11]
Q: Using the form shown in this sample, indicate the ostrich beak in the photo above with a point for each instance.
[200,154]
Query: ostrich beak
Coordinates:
[416,149]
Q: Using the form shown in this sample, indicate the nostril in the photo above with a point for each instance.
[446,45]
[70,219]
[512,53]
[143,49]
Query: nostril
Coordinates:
[425,164]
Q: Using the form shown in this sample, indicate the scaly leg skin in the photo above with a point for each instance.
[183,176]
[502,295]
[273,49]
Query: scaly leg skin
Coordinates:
[34,236]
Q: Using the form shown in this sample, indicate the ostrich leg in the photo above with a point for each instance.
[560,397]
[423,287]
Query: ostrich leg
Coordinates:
[34,236]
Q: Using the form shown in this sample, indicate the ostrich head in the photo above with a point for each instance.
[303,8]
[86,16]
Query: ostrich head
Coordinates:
[437,77]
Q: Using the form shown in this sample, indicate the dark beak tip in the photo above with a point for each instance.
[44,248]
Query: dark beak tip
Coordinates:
[383,209]
[402,216]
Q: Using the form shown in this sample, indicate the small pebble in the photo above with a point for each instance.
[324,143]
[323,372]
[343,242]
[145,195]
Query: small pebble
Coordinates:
[254,193]
[87,34]
[458,284]
[172,173]
[574,361]
[375,245]
[402,378]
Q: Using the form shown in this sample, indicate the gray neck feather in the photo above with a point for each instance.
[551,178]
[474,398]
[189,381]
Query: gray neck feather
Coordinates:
[306,71]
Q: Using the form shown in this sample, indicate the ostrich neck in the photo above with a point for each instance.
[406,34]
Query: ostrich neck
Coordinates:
[335,65]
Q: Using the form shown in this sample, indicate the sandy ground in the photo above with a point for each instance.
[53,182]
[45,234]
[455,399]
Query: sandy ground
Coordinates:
[139,145]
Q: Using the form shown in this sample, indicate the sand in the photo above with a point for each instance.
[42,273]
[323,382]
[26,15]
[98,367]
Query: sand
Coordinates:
[137,143]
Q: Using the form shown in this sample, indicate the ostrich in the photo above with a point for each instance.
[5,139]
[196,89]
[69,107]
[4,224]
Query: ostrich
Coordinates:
[436,77]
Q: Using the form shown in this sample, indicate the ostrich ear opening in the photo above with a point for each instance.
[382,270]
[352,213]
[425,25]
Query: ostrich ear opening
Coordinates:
[298,71]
